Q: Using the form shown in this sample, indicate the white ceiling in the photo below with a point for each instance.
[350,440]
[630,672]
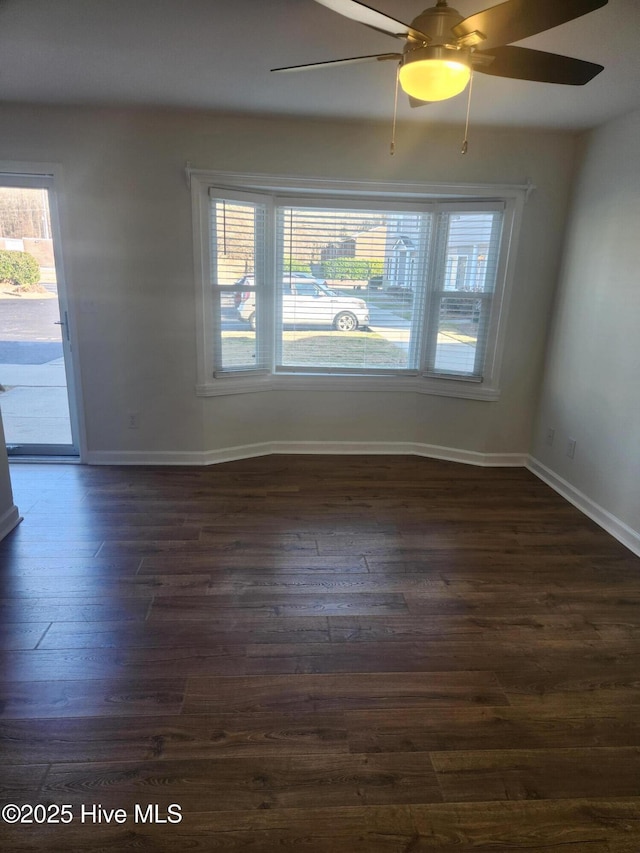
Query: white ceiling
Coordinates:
[216,55]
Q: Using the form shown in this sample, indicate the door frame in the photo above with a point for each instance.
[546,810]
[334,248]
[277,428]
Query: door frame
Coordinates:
[49,176]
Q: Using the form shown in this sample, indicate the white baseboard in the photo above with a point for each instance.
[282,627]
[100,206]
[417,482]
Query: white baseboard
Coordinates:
[609,522]
[360,448]
[398,448]
[144,457]
[471,457]
[178,458]
[9,520]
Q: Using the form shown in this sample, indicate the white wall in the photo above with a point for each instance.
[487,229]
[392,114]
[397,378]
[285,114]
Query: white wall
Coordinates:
[126,225]
[9,515]
[591,390]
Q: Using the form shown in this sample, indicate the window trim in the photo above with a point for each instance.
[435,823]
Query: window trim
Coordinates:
[512,196]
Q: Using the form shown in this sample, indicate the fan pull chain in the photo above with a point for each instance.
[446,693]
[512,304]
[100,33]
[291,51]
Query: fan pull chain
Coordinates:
[465,144]
[392,150]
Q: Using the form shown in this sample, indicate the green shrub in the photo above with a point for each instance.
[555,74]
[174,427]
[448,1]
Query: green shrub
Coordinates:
[351,269]
[19,268]
[291,265]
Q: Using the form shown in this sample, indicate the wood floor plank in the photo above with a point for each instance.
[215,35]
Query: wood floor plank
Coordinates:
[37,550]
[497,603]
[488,566]
[355,829]
[230,783]
[117,739]
[324,692]
[435,656]
[73,609]
[572,668]
[87,584]
[60,517]
[222,544]
[96,531]
[275,564]
[22,635]
[583,826]
[318,583]
[20,784]
[115,697]
[623,696]
[541,774]
[85,664]
[527,628]
[293,517]
[183,608]
[566,724]
[234,629]
[28,565]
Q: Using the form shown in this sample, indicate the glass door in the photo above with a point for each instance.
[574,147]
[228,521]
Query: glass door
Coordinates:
[35,347]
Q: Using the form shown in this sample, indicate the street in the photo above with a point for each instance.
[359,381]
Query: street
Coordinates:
[29,319]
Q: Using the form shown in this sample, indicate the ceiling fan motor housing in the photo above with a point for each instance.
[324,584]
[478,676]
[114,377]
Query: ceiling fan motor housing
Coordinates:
[436,22]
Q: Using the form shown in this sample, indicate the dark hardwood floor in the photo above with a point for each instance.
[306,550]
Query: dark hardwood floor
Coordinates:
[315,655]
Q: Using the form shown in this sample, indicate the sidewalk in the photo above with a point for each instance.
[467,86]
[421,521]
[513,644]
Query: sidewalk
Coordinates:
[452,354]
[35,407]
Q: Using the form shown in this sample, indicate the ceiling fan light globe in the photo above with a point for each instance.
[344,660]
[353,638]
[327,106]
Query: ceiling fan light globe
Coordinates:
[434,79]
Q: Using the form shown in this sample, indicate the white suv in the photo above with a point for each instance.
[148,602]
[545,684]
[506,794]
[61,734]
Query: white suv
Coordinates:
[306,302]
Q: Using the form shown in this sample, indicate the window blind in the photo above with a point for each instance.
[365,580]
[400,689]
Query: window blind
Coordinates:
[238,258]
[351,288]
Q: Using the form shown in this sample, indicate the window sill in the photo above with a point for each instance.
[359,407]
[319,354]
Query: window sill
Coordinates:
[466,390]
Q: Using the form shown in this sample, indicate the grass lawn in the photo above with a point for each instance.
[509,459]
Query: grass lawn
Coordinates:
[323,348]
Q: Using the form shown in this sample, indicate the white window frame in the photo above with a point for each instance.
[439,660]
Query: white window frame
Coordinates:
[304,190]
[435,292]
[263,292]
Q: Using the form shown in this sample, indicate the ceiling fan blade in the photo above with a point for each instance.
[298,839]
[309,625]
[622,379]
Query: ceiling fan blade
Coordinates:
[519,19]
[351,60]
[372,18]
[521,63]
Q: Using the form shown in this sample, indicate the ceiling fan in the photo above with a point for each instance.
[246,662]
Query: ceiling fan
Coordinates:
[442,48]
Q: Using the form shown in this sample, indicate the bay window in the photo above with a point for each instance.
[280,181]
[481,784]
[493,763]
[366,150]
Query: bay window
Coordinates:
[385,286]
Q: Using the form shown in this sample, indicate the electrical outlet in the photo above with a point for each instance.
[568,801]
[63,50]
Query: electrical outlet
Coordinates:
[550,435]
[133,420]
[571,448]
